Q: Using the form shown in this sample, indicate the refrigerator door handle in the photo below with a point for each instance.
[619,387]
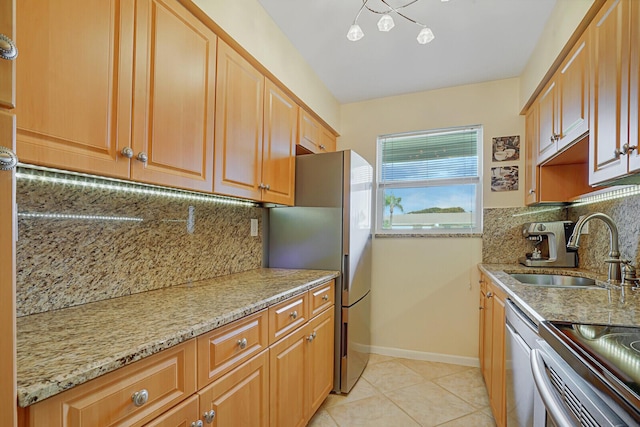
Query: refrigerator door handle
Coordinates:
[345,276]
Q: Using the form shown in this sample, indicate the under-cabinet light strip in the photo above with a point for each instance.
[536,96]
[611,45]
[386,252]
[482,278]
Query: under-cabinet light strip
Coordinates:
[29,172]
[618,193]
[535,212]
[69,216]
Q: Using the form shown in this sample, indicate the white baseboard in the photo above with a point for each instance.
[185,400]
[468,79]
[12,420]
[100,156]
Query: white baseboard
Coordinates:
[430,357]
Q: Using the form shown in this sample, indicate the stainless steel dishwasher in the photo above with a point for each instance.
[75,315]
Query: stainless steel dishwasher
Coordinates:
[524,406]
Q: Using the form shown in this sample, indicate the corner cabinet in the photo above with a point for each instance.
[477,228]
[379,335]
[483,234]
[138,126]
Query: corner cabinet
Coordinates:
[492,347]
[255,133]
[614,103]
[107,98]
[271,368]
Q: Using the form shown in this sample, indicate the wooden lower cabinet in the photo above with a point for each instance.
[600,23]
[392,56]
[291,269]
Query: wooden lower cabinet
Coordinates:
[301,369]
[492,347]
[185,414]
[241,397]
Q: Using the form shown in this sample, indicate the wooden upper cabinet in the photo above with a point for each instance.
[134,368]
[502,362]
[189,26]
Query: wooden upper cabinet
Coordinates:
[174,98]
[634,88]
[74,82]
[279,146]
[610,54]
[531,159]
[547,105]
[7,68]
[573,94]
[313,137]
[238,128]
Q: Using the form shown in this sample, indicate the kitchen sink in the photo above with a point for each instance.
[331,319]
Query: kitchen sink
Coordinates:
[555,280]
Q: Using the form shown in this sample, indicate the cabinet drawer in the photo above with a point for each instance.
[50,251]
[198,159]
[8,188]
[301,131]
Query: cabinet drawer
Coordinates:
[287,316]
[183,414]
[321,297]
[224,348]
[167,377]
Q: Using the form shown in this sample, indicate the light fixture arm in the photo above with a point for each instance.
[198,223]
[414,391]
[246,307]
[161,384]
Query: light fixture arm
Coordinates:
[364,4]
[396,10]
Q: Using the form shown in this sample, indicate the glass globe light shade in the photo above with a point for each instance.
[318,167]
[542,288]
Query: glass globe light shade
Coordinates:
[425,36]
[355,33]
[386,23]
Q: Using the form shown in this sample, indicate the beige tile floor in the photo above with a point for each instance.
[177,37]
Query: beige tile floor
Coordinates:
[406,393]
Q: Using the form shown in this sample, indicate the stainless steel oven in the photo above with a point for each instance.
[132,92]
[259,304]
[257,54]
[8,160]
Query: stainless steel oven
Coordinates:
[576,387]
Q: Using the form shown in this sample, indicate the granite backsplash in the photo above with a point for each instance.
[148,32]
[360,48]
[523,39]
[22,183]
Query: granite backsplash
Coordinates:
[502,240]
[78,245]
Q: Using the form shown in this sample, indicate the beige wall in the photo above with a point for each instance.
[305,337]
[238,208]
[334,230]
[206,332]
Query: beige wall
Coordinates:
[425,290]
[564,19]
[248,23]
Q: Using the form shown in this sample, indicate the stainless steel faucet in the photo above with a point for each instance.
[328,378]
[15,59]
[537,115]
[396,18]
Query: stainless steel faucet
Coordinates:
[614,254]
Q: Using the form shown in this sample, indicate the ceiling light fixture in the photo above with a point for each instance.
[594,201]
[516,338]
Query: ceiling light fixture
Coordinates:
[386,21]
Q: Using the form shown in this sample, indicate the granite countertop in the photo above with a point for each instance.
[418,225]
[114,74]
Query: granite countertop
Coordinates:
[600,305]
[64,348]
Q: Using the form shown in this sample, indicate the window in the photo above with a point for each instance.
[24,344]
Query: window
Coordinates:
[429,182]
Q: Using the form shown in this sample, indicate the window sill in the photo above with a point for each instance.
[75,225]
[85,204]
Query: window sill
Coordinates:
[420,235]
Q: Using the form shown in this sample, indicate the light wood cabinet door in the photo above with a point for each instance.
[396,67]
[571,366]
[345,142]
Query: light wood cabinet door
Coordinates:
[241,397]
[74,84]
[486,334]
[573,96]
[498,397]
[7,68]
[320,358]
[289,383]
[8,230]
[182,415]
[548,128]
[531,159]
[609,91]
[174,98]
[238,128]
[279,145]
[634,89]
[309,132]
[327,141]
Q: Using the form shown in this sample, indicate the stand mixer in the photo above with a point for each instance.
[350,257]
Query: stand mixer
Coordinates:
[550,240]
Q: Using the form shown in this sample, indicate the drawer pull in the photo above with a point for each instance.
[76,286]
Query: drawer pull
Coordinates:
[141,397]
[325,298]
[242,343]
[311,337]
[209,416]
[197,424]
[294,314]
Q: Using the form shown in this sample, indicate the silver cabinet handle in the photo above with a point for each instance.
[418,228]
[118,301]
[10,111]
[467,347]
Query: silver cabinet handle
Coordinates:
[532,191]
[8,159]
[127,152]
[489,294]
[141,397]
[325,298]
[242,343]
[322,147]
[311,337]
[294,314]
[8,49]
[209,416]
[197,424]
[267,187]
[142,156]
[261,186]
[553,404]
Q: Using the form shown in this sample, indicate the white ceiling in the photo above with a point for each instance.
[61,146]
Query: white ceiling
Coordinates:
[476,41]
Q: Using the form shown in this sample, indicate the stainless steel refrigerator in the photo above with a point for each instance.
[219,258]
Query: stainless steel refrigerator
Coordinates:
[330,228]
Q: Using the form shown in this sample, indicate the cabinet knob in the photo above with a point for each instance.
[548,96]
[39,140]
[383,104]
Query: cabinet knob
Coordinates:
[311,337]
[325,298]
[626,149]
[489,294]
[261,186]
[294,314]
[322,147]
[209,416]
[242,343]
[127,152]
[142,156]
[8,159]
[532,191]
[197,424]
[141,397]
[267,187]
[8,49]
